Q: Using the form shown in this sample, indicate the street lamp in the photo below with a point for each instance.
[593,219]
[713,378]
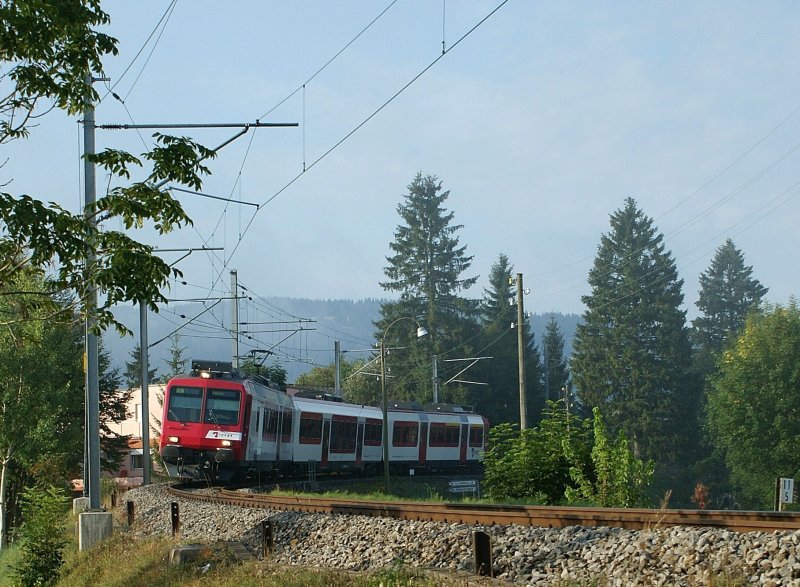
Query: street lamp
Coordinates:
[420,333]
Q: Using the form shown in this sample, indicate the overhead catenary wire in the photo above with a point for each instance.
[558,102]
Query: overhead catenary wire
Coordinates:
[331,60]
[167,14]
[370,117]
[694,193]
[443,32]
[152,50]
[243,233]
[578,281]
[159,341]
[644,280]
[268,112]
[668,211]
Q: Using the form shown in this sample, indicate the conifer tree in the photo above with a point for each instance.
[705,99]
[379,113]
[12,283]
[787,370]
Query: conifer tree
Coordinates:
[728,293]
[632,354]
[426,268]
[114,400]
[177,362]
[499,402]
[133,368]
[556,373]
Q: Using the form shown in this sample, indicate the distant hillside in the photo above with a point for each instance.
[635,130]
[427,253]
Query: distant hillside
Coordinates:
[322,321]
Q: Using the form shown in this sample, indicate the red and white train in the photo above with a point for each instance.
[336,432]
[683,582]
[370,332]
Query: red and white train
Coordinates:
[221,425]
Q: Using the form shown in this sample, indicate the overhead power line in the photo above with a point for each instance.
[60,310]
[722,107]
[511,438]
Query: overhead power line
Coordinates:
[367,119]
[331,60]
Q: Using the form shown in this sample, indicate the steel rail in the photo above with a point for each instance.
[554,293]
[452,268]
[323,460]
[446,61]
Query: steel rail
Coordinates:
[498,514]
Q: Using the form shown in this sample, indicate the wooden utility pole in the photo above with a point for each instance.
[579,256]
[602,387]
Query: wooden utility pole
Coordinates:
[523,404]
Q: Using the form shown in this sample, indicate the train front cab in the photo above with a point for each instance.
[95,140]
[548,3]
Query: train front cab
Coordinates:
[203,427]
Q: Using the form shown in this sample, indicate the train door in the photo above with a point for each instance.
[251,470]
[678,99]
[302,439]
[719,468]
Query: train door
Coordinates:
[359,443]
[423,443]
[258,438]
[464,442]
[246,444]
[279,433]
[326,441]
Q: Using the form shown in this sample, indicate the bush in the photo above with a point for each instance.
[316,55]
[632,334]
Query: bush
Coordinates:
[534,464]
[620,479]
[43,536]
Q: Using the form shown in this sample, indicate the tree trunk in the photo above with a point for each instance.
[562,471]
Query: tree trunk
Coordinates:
[4,466]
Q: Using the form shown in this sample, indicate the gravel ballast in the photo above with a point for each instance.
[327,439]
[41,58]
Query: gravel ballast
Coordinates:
[522,554]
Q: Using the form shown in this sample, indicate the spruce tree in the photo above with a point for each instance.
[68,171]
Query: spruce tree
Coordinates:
[499,402]
[133,369]
[728,293]
[632,354]
[426,268]
[556,373]
[176,364]
[114,401]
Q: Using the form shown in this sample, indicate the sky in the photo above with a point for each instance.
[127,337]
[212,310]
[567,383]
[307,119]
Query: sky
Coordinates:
[539,122]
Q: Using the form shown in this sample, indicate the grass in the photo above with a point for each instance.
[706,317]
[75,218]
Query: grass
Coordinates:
[8,558]
[418,488]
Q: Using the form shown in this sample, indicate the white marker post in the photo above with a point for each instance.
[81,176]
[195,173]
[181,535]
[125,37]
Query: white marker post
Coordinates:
[786,492]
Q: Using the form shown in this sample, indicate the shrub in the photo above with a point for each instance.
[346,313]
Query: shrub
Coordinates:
[534,464]
[43,535]
[620,479]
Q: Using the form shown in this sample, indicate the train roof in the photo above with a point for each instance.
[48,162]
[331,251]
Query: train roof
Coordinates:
[307,404]
[449,408]
[224,371]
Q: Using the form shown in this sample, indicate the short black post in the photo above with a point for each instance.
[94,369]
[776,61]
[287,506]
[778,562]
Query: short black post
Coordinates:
[176,519]
[482,548]
[130,513]
[113,499]
[267,537]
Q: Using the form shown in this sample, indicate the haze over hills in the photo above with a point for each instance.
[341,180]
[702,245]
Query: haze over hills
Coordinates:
[302,336]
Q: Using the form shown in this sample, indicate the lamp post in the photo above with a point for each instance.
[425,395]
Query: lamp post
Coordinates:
[420,333]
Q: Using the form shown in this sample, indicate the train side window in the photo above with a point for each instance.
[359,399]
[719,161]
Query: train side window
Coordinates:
[310,428]
[343,435]
[405,434]
[476,436]
[373,432]
[222,407]
[270,425]
[286,428]
[443,435]
[184,404]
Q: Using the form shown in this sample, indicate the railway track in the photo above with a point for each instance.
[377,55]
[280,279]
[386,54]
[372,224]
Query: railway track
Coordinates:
[490,514]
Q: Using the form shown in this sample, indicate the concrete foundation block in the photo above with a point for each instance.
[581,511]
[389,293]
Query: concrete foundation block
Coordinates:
[93,527]
[184,554]
[80,505]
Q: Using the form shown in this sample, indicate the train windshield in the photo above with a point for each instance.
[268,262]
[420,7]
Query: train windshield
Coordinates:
[185,404]
[222,407]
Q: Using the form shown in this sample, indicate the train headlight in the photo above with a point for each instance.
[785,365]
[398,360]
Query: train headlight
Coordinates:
[173,439]
[226,443]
